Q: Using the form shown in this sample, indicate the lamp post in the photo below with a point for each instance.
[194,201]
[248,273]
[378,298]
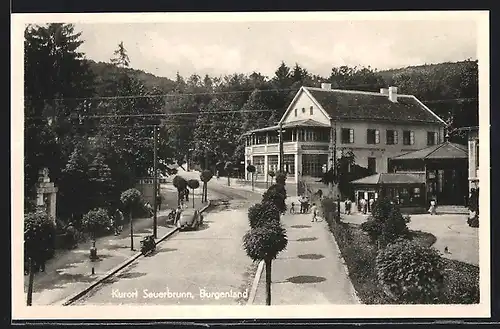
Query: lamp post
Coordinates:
[155,182]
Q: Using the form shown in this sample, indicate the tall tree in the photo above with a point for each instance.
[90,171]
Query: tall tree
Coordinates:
[56,77]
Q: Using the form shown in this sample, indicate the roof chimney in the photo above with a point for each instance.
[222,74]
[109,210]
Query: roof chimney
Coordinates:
[393,94]
[384,91]
[327,86]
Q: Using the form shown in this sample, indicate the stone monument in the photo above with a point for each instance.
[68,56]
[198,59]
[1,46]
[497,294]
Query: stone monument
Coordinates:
[46,193]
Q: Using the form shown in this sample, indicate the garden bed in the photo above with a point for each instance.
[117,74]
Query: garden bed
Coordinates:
[461,280]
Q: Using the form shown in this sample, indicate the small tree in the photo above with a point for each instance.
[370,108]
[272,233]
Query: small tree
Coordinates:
[228,168]
[193,184]
[39,233]
[265,243]
[132,201]
[181,185]
[262,213]
[276,194]
[205,176]
[95,222]
[251,169]
[386,224]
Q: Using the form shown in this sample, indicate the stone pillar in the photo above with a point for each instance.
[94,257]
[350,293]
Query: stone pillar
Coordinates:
[47,191]
[296,165]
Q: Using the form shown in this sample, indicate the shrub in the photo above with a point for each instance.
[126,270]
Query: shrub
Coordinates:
[386,224]
[261,214]
[329,209]
[39,235]
[461,283]
[96,222]
[410,273]
[276,194]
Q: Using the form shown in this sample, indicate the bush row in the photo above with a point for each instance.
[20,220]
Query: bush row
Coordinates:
[389,267]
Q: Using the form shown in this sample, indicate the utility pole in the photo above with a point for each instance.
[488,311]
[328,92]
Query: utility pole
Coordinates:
[155,182]
[282,163]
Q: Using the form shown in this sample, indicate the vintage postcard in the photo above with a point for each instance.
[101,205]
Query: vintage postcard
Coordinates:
[250,165]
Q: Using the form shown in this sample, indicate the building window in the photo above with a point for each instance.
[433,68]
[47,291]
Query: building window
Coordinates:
[312,164]
[391,137]
[347,136]
[272,163]
[372,136]
[372,165]
[261,139]
[258,162]
[303,110]
[300,135]
[273,137]
[408,137]
[295,112]
[431,138]
[311,110]
[289,162]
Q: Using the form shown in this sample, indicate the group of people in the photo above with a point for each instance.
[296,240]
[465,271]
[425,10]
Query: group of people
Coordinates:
[305,207]
[366,206]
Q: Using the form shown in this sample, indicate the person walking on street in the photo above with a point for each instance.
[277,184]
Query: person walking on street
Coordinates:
[371,202]
[314,213]
[292,208]
[349,205]
[363,205]
[158,201]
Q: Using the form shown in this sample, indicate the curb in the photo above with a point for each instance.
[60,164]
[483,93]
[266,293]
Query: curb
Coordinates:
[113,271]
[255,284]
[344,265]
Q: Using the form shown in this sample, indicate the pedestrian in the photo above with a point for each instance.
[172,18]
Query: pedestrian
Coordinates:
[314,213]
[149,209]
[432,208]
[363,205]
[292,208]
[158,201]
[349,205]
[118,221]
[178,212]
[371,202]
[346,202]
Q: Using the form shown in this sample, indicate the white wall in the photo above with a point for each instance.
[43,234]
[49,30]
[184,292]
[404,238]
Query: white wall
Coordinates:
[305,102]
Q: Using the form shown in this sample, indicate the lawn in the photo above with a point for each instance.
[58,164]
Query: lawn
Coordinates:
[461,280]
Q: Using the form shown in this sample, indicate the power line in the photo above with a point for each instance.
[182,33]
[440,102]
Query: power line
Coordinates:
[165,95]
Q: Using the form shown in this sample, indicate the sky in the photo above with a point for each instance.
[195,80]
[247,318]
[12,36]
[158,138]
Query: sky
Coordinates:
[219,48]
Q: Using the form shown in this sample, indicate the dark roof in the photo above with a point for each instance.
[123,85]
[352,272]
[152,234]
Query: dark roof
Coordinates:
[346,104]
[298,123]
[446,150]
[389,178]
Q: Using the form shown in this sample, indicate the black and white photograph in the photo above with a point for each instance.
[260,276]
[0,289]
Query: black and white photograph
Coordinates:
[232,165]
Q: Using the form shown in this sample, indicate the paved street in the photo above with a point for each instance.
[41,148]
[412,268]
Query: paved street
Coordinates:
[185,266]
[309,271]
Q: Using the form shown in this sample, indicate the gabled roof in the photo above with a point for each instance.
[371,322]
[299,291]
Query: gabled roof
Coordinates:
[446,150]
[389,178]
[298,123]
[361,105]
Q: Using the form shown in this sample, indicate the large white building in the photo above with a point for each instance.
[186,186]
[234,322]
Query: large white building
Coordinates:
[375,126]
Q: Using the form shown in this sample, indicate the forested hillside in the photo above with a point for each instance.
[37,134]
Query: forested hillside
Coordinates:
[81,114]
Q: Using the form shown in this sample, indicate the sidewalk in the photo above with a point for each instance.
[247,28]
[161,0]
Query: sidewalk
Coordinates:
[70,271]
[310,270]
